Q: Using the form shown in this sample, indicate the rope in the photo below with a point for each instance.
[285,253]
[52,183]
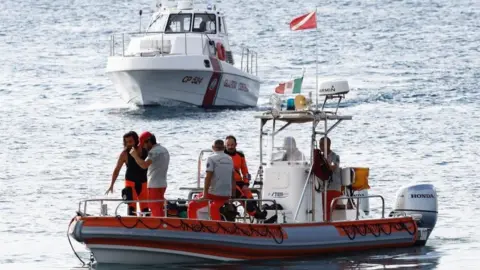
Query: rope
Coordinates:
[69,241]
[201,227]
[375,229]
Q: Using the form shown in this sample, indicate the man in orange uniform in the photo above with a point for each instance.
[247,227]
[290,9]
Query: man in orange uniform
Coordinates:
[241,175]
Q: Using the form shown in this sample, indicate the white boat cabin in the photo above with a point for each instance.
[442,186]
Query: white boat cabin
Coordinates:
[178,28]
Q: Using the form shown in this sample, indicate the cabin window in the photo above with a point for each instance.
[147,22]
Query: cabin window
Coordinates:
[220,25]
[158,24]
[224,26]
[179,23]
[204,23]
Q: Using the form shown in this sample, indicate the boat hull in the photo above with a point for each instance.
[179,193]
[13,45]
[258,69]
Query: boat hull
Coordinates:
[149,240]
[182,80]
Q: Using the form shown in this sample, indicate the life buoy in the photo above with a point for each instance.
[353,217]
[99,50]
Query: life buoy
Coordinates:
[220,51]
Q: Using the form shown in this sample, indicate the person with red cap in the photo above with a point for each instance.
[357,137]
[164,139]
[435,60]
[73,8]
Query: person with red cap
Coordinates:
[219,184]
[157,162]
[135,176]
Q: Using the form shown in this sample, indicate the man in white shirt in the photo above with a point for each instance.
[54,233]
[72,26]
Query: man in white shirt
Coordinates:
[219,184]
[157,163]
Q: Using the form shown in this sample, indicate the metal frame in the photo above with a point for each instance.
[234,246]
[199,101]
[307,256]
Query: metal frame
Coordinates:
[251,58]
[311,115]
[357,205]
[165,205]
[200,156]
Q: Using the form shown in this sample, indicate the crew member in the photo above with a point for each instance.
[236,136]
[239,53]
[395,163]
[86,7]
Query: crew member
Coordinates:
[241,175]
[219,183]
[157,162]
[135,176]
[335,186]
[291,151]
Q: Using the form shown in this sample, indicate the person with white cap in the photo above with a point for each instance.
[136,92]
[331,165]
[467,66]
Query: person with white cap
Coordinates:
[157,162]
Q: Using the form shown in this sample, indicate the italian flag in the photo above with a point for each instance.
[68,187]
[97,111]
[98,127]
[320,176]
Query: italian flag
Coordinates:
[290,87]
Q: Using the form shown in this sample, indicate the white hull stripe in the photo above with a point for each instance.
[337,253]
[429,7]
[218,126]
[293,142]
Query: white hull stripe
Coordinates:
[161,250]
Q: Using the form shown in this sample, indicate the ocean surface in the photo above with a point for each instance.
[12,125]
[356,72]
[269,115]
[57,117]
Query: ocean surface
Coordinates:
[414,70]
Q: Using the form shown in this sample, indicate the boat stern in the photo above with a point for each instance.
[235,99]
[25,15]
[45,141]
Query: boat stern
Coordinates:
[419,201]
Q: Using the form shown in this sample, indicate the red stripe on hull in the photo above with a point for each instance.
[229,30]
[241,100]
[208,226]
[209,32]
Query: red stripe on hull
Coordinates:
[236,252]
[213,85]
[268,231]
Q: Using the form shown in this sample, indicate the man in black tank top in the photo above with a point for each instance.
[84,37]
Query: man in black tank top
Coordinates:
[135,176]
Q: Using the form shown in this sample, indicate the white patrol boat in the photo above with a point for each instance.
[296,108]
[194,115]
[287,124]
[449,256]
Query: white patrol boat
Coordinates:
[183,57]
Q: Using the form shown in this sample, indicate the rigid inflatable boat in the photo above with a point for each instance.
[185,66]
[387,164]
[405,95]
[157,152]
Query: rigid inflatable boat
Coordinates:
[295,219]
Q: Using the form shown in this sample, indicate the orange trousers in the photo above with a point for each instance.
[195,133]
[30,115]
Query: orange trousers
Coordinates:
[142,195]
[215,205]
[156,207]
[331,194]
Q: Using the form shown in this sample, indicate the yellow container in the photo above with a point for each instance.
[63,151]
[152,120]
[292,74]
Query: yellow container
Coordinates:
[361,179]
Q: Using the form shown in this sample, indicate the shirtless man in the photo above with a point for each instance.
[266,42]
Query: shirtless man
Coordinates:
[135,176]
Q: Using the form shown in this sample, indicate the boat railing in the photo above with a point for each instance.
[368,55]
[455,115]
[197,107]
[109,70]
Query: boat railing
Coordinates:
[249,58]
[196,190]
[104,208]
[357,204]
[200,156]
[123,39]
[82,205]
[249,61]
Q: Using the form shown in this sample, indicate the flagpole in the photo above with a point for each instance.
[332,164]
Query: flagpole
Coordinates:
[316,61]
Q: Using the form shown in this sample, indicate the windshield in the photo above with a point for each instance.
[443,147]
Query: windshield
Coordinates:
[158,24]
[204,23]
[182,22]
[179,23]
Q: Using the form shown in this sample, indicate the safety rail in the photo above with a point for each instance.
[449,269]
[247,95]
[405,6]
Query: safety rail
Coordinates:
[103,210]
[196,190]
[357,204]
[165,203]
[250,58]
[124,39]
[200,156]
[249,61]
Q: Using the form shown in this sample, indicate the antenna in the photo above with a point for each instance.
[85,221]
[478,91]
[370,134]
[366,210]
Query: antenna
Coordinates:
[140,14]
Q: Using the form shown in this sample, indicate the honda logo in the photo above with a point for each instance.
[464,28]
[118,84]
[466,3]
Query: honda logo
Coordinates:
[422,196]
